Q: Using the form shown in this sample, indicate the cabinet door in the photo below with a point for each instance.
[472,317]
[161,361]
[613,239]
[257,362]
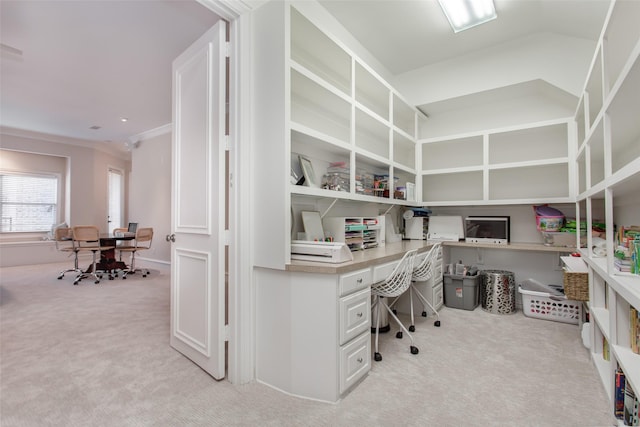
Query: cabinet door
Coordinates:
[355,361]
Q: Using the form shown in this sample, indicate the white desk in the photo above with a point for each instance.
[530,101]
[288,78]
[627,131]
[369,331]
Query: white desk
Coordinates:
[313,322]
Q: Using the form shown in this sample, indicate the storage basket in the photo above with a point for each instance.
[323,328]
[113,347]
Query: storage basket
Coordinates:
[576,285]
[542,305]
[549,223]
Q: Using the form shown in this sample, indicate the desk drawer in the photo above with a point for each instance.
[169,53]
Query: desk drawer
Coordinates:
[355,361]
[355,315]
[381,272]
[354,281]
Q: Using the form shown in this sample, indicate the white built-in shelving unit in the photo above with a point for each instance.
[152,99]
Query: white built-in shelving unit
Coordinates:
[315,98]
[514,165]
[608,169]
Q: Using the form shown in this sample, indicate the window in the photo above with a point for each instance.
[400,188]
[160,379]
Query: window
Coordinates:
[28,202]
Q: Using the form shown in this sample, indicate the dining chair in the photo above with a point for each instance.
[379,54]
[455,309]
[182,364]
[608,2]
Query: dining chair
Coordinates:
[87,239]
[64,243]
[141,242]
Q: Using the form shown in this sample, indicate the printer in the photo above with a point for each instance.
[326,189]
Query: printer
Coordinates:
[333,252]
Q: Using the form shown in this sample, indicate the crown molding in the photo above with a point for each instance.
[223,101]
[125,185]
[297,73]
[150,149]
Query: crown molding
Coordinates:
[152,133]
[230,9]
[104,147]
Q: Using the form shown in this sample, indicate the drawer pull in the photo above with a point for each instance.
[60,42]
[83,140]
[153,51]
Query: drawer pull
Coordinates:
[359,359]
[359,314]
[359,280]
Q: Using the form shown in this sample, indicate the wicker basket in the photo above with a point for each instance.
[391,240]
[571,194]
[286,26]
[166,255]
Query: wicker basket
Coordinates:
[576,286]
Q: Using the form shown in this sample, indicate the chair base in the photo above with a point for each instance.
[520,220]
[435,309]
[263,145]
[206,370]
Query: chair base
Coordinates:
[425,304]
[378,304]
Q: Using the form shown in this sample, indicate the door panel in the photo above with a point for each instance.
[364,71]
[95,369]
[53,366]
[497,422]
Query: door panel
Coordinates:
[198,204]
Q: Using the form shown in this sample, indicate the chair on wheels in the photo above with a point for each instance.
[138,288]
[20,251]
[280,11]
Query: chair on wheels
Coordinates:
[141,242]
[393,286]
[87,239]
[423,272]
[64,243]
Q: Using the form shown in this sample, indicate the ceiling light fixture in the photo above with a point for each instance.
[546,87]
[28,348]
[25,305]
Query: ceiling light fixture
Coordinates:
[124,119]
[464,14]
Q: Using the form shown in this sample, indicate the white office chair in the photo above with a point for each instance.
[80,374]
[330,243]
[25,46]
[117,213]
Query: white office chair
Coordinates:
[393,286]
[422,272]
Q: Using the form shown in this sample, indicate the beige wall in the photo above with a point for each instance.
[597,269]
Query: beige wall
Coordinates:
[150,192]
[86,192]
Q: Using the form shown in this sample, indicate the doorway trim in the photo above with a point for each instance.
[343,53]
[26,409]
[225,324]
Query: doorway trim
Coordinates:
[241,312]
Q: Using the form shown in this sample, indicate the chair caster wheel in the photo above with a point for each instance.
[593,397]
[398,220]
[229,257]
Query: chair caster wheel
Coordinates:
[144,275]
[59,277]
[377,357]
[424,314]
[399,335]
[437,323]
[412,328]
[395,311]
[124,277]
[414,349]
[96,282]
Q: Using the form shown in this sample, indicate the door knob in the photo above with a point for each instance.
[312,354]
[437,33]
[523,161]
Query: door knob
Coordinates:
[171,238]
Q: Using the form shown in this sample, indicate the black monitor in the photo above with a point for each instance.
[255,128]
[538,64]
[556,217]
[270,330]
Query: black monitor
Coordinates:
[133,226]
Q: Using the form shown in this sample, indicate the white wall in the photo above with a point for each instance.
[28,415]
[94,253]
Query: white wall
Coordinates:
[150,192]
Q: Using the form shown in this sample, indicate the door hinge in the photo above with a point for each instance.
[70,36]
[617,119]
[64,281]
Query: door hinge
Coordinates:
[227,237]
[227,49]
[226,332]
[226,143]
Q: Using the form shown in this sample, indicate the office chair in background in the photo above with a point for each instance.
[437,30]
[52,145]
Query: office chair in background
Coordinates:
[64,243]
[87,239]
[142,242]
[393,286]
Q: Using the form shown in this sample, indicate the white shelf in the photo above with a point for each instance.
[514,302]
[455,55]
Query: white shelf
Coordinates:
[525,164]
[608,169]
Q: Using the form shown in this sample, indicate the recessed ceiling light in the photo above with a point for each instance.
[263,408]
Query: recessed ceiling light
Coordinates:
[464,14]
[94,127]
[123,119]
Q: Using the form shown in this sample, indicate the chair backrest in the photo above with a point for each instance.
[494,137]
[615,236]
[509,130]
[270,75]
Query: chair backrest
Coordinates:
[144,236]
[425,269]
[119,230]
[86,236]
[64,238]
[400,278]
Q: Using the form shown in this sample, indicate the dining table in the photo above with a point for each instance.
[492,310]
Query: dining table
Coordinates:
[108,262]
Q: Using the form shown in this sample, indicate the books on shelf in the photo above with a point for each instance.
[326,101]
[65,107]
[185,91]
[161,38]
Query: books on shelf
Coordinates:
[634,330]
[625,400]
[630,412]
[618,396]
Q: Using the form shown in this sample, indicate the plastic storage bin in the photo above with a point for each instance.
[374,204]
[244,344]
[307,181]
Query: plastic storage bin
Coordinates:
[542,305]
[461,291]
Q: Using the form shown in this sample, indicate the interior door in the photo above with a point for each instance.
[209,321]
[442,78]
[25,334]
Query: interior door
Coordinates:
[198,203]
[114,218]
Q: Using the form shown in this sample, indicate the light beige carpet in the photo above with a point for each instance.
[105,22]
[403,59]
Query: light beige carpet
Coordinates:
[99,355]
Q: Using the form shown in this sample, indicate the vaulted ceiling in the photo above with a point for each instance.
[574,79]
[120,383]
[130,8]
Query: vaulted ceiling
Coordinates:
[69,66]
